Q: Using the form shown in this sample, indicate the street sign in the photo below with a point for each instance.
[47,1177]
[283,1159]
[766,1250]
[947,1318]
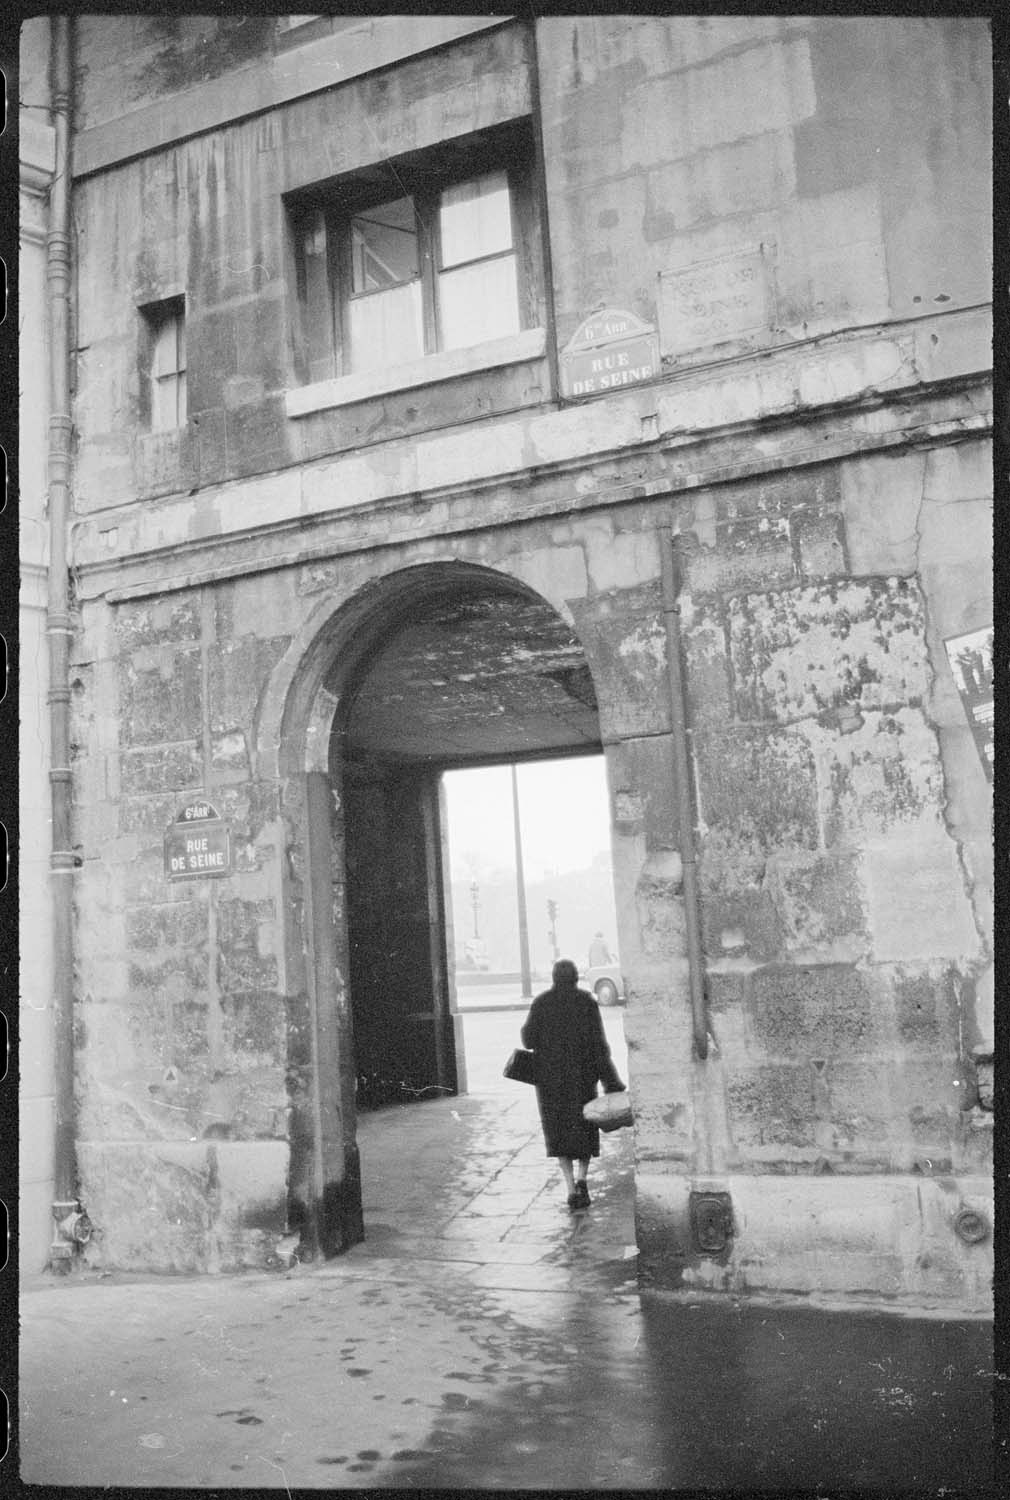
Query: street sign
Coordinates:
[197,843]
[609,350]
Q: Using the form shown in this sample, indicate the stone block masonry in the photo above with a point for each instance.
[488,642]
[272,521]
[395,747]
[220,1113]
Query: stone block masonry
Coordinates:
[841,938]
[799,207]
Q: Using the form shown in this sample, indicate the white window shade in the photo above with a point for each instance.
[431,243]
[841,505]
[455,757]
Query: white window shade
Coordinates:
[475,219]
[479,302]
[166,348]
[386,328]
[168,374]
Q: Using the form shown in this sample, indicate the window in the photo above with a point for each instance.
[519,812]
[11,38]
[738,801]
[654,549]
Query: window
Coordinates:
[417,258]
[293,31]
[166,364]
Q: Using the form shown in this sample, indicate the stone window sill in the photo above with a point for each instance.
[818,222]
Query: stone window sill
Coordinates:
[347,389]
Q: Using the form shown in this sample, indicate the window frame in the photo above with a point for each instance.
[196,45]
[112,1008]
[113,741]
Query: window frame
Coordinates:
[422,177]
[156,318]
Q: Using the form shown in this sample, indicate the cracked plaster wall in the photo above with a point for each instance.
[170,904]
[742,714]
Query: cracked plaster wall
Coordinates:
[843,812]
[845,819]
[192,1044]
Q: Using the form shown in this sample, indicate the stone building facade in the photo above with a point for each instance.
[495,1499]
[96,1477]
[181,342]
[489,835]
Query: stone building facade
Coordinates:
[326,576]
[36,151]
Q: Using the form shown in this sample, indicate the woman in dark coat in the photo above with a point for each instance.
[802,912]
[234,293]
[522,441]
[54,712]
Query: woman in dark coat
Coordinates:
[565,1031]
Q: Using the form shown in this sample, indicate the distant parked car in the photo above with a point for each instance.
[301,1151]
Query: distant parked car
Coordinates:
[606,983]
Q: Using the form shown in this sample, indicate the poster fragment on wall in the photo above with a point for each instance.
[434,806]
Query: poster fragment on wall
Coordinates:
[970,658]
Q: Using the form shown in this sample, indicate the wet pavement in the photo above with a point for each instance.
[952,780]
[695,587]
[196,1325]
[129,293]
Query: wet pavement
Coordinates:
[484,1337]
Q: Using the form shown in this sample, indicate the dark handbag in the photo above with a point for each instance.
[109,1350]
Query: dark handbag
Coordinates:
[522,1066]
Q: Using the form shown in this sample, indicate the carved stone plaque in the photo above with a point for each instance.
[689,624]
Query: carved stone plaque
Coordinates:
[724,301]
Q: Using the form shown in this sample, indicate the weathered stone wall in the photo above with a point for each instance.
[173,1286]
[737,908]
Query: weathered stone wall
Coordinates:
[192,1046]
[844,919]
[36,150]
[829,497]
[182,1044]
[837,905]
[206,218]
[844,851]
[163,71]
[846,148]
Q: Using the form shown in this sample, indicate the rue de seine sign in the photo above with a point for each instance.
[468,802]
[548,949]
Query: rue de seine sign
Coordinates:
[198,843]
[610,349]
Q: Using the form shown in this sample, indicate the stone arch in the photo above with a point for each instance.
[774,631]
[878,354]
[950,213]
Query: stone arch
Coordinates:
[296,710]
[304,699]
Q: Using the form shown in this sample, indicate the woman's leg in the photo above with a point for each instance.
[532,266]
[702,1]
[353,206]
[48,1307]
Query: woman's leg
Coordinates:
[583,1171]
[565,1163]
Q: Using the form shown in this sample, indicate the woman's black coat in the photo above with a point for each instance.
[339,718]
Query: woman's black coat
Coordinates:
[565,1030]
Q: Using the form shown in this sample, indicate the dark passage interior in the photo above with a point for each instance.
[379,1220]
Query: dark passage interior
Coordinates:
[475,670]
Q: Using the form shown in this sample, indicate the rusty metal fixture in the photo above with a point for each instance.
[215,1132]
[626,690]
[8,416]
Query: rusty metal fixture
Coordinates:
[711,1222]
[62,859]
[72,1228]
[971,1226]
[685,807]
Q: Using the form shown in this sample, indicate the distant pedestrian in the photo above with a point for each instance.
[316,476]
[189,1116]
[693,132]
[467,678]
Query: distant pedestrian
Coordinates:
[599,953]
[565,1031]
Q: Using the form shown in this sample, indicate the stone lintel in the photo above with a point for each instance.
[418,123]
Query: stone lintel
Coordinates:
[149,536]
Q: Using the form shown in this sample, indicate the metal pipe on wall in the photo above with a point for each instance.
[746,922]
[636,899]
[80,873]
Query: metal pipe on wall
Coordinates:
[682,791]
[62,859]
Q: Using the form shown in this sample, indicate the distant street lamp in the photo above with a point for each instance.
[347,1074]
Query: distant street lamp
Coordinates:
[524,938]
[475,901]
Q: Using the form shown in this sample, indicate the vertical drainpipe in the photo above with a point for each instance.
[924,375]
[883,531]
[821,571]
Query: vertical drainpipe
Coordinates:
[71,1227]
[540,188]
[682,791]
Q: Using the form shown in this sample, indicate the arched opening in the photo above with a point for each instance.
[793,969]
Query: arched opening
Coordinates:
[439,667]
[475,672]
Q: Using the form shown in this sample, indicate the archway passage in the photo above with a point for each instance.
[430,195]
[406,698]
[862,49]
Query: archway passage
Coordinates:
[475,670]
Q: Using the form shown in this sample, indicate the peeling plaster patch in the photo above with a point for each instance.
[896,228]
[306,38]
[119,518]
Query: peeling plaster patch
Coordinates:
[229,750]
[628,807]
[758,787]
[751,552]
[917,905]
[644,642]
[883,775]
[817,898]
[804,652]
[985,1010]
[173,619]
[658,898]
[707,674]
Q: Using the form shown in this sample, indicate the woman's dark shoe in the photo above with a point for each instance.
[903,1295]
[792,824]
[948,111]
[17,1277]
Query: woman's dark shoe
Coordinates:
[575,1201]
[581,1195]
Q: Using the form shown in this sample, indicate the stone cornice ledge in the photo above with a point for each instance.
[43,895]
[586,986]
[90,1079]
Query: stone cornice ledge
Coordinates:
[896,388]
[672,470]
